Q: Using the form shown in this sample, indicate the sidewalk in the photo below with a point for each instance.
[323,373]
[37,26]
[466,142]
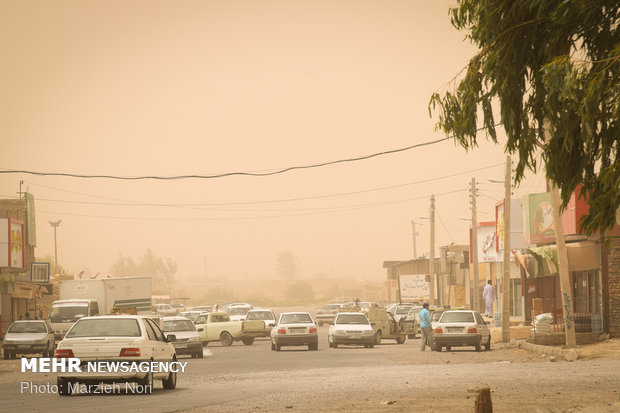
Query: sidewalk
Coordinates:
[609,348]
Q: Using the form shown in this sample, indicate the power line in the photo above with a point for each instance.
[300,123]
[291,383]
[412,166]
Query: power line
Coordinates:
[193,205]
[226,174]
[324,211]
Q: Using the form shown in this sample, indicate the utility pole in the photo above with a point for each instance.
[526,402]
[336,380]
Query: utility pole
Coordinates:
[474,242]
[565,287]
[506,281]
[432,251]
[414,236]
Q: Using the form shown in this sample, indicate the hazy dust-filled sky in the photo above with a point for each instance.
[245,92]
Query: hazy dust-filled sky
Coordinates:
[135,88]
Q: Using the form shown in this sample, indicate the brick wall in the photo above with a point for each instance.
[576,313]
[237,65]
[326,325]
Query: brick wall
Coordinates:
[613,265]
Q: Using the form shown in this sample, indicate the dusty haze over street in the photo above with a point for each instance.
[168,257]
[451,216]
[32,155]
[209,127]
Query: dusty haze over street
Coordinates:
[162,88]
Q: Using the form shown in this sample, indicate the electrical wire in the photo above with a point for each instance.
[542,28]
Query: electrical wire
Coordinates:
[193,205]
[227,174]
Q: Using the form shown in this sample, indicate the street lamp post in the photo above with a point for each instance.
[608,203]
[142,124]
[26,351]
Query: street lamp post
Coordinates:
[432,250]
[55,224]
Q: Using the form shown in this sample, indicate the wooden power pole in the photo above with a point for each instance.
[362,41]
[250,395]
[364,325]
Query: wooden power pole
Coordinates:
[474,245]
[414,235]
[506,280]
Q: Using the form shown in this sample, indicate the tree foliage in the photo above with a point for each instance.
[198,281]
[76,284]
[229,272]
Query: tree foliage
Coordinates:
[541,60]
[161,271]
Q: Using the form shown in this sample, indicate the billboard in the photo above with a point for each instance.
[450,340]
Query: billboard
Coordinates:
[414,287]
[11,243]
[538,218]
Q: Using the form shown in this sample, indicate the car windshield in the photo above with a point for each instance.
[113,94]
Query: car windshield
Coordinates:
[295,318]
[454,317]
[69,310]
[178,325]
[260,315]
[27,328]
[238,310]
[436,315]
[105,327]
[352,319]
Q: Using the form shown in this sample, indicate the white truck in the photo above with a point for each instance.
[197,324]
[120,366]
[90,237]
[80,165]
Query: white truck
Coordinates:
[80,298]
[219,327]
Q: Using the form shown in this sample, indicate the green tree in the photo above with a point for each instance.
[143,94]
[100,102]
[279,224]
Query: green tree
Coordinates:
[162,271]
[59,269]
[554,61]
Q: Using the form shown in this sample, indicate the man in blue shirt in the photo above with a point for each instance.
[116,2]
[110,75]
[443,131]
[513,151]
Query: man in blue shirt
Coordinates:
[426,328]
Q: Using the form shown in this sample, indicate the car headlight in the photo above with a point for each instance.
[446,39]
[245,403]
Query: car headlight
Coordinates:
[193,339]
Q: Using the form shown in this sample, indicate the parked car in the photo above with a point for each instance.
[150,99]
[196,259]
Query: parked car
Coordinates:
[462,328]
[205,308]
[164,310]
[295,329]
[187,338]
[29,337]
[351,328]
[238,312]
[266,315]
[400,310]
[327,314]
[116,338]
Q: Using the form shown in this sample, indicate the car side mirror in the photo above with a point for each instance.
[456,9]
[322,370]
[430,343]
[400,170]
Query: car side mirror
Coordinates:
[201,329]
[171,338]
[372,324]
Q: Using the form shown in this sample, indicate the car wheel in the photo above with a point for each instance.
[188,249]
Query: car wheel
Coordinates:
[170,383]
[64,387]
[248,341]
[448,348]
[478,344]
[273,346]
[278,347]
[313,347]
[147,381]
[438,348]
[226,338]
[199,354]
[6,354]
[13,355]
[378,336]
[205,343]
[487,346]
[401,339]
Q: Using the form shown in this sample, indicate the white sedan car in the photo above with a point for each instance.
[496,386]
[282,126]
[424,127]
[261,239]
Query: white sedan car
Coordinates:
[295,329]
[121,338]
[351,328]
[462,328]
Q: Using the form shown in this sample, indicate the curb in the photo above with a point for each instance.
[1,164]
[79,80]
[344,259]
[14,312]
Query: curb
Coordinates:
[558,353]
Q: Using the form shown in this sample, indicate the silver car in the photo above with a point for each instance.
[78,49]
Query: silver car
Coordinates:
[462,328]
[29,337]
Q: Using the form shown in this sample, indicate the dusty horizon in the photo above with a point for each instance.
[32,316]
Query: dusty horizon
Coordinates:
[164,88]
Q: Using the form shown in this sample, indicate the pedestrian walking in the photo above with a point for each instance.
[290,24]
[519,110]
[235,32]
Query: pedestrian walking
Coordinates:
[489,295]
[426,328]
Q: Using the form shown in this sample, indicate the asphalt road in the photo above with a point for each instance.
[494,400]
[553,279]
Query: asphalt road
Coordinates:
[389,377]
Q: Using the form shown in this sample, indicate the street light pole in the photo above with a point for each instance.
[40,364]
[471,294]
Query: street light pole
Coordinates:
[55,224]
[414,237]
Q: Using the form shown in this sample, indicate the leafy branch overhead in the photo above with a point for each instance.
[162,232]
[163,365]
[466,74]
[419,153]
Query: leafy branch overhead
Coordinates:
[540,60]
